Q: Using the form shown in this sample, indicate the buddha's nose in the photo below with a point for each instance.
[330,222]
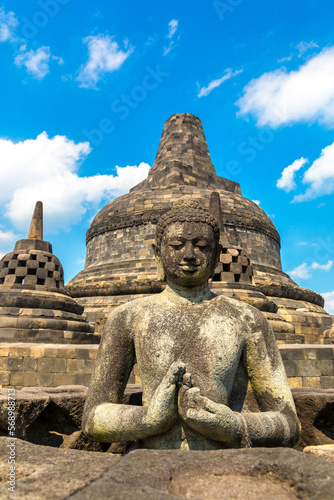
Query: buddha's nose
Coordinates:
[189,251]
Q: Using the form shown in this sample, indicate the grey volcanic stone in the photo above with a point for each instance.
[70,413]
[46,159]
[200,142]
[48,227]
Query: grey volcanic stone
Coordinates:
[196,352]
[41,410]
[44,472]
[28,407]
[212,475]
[315,409]
[325,451]
[52,416]
[262,473]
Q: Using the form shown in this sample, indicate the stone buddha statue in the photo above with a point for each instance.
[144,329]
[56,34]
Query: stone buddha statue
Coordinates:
[196,352]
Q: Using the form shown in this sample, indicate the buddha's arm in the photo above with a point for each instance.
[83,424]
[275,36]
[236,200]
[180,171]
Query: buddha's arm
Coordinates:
[104,418]
[275,425]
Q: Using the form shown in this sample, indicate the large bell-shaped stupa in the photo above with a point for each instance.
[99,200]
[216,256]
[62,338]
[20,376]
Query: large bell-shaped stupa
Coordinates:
[120,264]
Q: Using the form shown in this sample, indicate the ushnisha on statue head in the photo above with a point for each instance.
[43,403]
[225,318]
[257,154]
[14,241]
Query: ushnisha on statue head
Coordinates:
[187,245]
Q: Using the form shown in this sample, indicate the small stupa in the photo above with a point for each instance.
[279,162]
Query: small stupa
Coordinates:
[34,305]
[234,277]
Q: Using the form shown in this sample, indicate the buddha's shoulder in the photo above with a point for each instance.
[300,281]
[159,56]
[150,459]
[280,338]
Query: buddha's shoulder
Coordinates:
[237,308]
[135,306]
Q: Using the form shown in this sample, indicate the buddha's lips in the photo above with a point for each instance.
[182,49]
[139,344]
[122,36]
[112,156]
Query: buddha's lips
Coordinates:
[187,267]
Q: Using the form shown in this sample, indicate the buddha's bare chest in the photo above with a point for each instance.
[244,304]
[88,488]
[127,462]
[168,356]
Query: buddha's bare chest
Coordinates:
[210,345]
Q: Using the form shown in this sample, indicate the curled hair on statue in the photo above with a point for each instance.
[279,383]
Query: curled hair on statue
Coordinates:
[186,215]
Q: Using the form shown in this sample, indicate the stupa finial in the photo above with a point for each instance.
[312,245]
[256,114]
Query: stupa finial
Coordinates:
[215,209]
[36,226]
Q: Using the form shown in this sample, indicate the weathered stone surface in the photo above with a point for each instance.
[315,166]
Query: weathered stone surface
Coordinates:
[52,416]
[44,416]
[44,472]
[265,474]
[68,402]
[262,474]
[196,353]
[291,291]
[325,451]
[315,409]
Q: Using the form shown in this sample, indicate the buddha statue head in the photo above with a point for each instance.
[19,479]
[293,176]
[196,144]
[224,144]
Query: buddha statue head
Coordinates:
[187,245]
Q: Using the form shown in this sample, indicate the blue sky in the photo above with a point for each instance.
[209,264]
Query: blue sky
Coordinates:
[87,86]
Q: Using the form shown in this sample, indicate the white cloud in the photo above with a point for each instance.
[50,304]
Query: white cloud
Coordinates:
[204,91]
[324,267]
[287,179]
[172,29]
[303,271]
[305,243]
[283,98]
[305,46]
[257,202]
[285,59]
[36,62]
[46,169]
[7,240]
[172,25]
[329,301]
[105,56]
[8,25]
[320,176]
[7,237]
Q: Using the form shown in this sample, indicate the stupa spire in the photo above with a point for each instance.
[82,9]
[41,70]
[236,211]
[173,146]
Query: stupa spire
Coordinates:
[215,209]
[183,156]
[36,225]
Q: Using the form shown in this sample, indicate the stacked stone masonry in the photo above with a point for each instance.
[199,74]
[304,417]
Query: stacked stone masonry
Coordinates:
[31,268]
[50,365]
[34,305]
[234,266]
[42,316]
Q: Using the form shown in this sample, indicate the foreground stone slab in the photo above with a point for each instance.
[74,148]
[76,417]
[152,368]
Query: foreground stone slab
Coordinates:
[242,474]
[264,474]
[325,451]
[52,416]
[45,472]
[315,409]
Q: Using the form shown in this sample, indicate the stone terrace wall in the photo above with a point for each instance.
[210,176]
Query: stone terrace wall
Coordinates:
[130,249]
[131,244]
[260,247]
[51,365]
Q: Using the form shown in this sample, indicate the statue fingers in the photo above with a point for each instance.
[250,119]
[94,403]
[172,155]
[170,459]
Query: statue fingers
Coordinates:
[211,406]
[175,372]
[195,396]
[198,416]
[186,381]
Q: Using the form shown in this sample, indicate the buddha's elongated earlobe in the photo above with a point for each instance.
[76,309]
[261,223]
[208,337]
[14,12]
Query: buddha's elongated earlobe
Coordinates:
[160,268]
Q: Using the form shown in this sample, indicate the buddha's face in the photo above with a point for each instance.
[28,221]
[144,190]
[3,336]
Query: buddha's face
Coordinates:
[188,253]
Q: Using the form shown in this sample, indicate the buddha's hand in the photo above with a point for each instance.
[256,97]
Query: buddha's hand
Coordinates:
[162,411]
[213,420]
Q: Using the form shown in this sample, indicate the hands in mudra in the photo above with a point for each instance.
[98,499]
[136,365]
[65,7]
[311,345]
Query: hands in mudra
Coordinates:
[176,397]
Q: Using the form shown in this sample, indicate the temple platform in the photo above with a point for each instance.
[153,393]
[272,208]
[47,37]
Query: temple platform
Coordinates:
[51,365]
